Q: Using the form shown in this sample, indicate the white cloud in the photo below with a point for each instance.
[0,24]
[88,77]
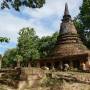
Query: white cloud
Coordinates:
[54,7]
[12,22]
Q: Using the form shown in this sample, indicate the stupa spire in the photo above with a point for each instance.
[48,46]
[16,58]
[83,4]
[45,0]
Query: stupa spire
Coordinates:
[67,25]
[66,16]
[66,12]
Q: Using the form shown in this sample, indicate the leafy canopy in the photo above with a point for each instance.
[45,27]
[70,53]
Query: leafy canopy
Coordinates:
[29,47]
[16,4]
[4,39]
[28,44]
[9,57]
[46,44]
[82,22]
[85,13]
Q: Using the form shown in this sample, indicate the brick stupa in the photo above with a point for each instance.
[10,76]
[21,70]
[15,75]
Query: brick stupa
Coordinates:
[69,47]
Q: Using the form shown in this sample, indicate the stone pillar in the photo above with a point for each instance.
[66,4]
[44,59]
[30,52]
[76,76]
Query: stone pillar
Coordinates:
[38,65]
[60,65]
[45,64]
[71,64]
[52,66]
[88,60]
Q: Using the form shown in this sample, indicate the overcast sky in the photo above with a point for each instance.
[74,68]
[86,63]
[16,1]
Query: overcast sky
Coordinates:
[45,20]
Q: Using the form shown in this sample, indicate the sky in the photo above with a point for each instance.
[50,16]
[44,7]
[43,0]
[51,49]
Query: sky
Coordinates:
[45,20]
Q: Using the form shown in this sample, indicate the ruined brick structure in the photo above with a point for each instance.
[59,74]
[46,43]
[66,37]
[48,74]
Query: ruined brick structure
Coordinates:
[69,48]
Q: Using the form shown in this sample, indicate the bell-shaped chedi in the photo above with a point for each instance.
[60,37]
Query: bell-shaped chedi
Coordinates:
[69,47]
[68,41]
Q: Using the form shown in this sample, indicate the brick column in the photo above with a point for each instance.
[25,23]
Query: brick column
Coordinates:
[52,66]
[60,65]
[45,64]
[38,65]
[71,64]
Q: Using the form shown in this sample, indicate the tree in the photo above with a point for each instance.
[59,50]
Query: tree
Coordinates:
[85,14]
[28,44]
[82,22]
[16,4]
[9,58]
[46,44]
[30,47]
[80,29]
[19,58]
[4,39]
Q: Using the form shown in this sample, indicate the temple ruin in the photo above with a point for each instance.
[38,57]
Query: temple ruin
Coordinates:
[69,48]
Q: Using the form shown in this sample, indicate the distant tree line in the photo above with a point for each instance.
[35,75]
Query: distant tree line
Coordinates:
[30,47]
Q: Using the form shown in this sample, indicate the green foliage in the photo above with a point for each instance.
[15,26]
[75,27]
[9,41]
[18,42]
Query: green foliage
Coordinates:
[28,44]
[85,13]
[9,58]
[4,39]
[82,22]
[85,18]
[29,47]
[87,33]
[80,29]
[0,56]
[83,34]
[19,58]
[46,44]
[16,4]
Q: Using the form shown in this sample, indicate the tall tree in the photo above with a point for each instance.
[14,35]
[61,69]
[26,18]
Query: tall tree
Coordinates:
[82,22]
[28,44]
[16,4]
[85,13]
